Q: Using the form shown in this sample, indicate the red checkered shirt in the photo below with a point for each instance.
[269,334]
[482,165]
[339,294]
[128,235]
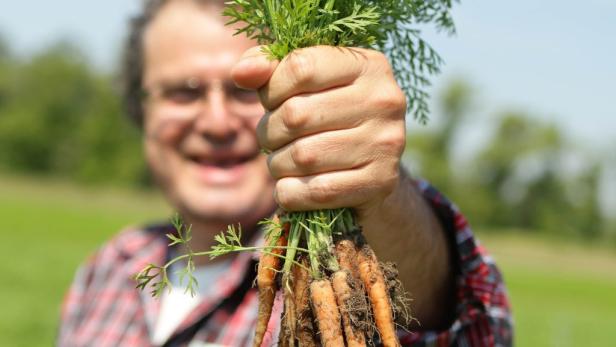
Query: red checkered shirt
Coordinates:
[103,307]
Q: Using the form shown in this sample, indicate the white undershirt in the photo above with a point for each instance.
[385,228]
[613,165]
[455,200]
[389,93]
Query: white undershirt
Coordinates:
[177,304]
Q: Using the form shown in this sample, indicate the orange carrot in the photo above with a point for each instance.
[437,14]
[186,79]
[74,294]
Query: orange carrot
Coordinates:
[304,329]
[344,297]
[347,256]
[326,313]
[266,282]
[373,280]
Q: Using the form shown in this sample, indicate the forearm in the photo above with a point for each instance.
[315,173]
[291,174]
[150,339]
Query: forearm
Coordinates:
[405,230]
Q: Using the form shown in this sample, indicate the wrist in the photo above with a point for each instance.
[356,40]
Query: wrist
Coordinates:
[399,210]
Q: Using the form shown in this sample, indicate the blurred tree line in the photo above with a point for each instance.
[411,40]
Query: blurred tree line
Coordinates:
[61,117]
[519,178]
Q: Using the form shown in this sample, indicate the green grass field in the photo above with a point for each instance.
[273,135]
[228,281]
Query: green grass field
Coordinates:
[562,294]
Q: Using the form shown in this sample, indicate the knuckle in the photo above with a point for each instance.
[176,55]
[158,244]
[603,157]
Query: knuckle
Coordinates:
[379,63]
[380,58]
[302,156]
[399,100]
[394,140]
[293,115]
[282,198]
[301,67]
[387,178]
[390,101]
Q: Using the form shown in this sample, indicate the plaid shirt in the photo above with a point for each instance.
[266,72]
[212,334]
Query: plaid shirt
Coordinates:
[103,308]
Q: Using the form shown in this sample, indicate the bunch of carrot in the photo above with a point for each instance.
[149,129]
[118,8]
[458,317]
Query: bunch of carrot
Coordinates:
[333,285]
[334,288]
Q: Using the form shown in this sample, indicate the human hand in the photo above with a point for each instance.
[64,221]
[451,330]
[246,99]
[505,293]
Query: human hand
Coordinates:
[335,126]
[335,131]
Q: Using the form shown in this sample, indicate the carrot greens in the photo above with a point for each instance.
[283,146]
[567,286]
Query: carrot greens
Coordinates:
[325,244]
[391,26]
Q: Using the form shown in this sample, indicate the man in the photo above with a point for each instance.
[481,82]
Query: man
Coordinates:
[335,130]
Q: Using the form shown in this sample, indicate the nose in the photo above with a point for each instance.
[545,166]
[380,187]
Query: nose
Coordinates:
[215,121]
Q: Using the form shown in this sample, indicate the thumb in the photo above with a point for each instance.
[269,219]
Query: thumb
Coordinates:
[254,69]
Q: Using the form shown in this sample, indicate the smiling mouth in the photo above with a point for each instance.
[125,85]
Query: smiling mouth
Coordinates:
[223,162]
[222,171]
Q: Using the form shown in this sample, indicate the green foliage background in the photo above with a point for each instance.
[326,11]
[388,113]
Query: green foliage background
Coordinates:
[60,117]
[519,177]
[61,120]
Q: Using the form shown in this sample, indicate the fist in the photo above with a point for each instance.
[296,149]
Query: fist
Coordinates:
[334,127]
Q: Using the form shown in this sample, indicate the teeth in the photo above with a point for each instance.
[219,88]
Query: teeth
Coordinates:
[221,163]
[227,164]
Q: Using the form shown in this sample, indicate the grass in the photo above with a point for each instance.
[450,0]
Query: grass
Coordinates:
[562,294]
[47,229]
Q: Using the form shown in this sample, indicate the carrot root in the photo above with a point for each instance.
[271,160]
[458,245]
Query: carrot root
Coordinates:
[346,254]
[374,282]
[304,328]
[345,296]
[269,264]
[289,318]
[326,313]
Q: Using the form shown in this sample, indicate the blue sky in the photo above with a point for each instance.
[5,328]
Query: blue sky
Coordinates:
[555,59]
[552,58]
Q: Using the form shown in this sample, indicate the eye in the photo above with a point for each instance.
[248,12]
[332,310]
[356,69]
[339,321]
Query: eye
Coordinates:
[242,95]
[183,94]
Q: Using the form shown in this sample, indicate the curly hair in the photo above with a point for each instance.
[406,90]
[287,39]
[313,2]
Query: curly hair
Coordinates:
[132,67]
[132,60]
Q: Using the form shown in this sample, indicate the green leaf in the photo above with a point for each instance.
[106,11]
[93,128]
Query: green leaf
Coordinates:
[388,25]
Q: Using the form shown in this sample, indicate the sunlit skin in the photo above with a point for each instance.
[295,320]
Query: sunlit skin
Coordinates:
[334,126]
[207,162]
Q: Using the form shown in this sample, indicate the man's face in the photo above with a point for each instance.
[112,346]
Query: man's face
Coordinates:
[200,139]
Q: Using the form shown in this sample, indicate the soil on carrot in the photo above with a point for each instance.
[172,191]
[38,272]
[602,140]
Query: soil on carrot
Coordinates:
[306,332]
[358,309]
[400,299]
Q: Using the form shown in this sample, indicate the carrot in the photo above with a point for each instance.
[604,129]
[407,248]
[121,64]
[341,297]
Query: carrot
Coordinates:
[304,329]
[347,256]
[287,329]
[269,264]
[283,337]
[374,282]
[344,296]
[326,313]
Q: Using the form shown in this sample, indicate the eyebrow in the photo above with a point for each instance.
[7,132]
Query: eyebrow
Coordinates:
[226,83]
